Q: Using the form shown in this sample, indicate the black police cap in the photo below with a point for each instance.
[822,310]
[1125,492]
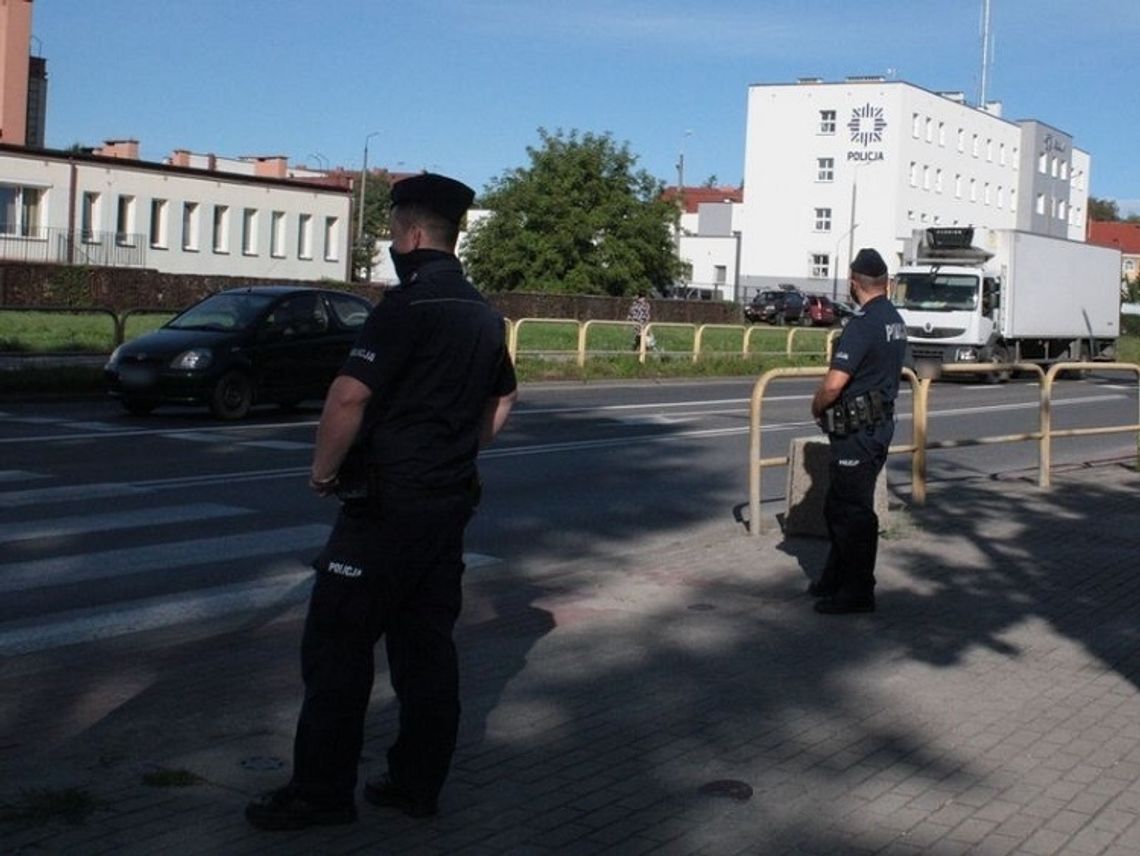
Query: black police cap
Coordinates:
[445,196]
[869,263]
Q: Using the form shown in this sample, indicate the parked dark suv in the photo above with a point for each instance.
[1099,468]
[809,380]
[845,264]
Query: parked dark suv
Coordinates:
[776,306]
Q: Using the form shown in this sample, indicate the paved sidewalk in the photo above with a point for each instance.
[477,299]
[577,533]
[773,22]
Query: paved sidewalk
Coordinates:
[680,698]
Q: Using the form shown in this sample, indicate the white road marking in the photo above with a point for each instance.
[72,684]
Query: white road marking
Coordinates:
[108,564]
[82,524]
[20,475]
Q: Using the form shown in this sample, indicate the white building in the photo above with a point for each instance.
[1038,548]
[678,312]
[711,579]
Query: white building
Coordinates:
[832,167]
[193,214]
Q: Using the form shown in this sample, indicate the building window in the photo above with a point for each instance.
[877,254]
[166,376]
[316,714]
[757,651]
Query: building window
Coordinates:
[125,221]
[249,232]
[990,151]
[986,193]
[332,237]
[221,229]
[973,190]
[305,236]
[827,121]
[937,219]
[825,169]
[89,218]
[158,223]
[720,274]
[942,134]
[910,214]
[922,218]
[1043,163]
[1013,157]
[974,146]
[823,219]
[277,235]
[21,211]
[1061,210]
[1001,154]
[190,226]
[926,178]
[1065,170]
[915,125]
[929,130]
[1000,197]
[958,186]
[1040,203]
[961,140]
[913,174]
[820,265]
[1053,168]
[938,181]
[1013,199]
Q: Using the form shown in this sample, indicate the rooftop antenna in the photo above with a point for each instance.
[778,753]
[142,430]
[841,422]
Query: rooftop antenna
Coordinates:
[987,53]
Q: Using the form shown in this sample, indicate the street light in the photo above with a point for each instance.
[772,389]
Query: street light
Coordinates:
[322,161]
[851,231]
[363,180]
[681,189]
[835,263]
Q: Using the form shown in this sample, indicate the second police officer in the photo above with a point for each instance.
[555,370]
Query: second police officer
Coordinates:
[855,406]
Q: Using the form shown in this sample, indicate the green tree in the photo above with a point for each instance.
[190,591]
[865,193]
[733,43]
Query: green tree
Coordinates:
[580,219]
[1103,209]
[377,194]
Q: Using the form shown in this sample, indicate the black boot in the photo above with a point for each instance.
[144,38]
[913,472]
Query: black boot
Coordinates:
[386,794]
[286,809]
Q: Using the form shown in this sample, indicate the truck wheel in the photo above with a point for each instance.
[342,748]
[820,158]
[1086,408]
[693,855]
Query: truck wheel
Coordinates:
[999,355]
[1078,374]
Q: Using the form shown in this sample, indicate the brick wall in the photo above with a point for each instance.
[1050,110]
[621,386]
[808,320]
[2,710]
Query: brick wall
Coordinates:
[25,284]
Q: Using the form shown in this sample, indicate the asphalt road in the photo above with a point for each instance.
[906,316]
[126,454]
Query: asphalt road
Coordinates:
[111,524]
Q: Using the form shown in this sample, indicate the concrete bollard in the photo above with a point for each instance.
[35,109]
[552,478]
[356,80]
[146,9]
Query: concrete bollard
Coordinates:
[808,459]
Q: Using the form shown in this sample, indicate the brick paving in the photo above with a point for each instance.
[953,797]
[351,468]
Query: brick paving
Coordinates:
[990,706]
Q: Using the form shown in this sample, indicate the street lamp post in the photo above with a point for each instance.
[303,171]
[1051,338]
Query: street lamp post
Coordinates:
[681,189]
[835,262]
[363,180]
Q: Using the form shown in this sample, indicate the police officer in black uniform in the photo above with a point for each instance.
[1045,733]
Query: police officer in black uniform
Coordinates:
[428,382]
[855,405]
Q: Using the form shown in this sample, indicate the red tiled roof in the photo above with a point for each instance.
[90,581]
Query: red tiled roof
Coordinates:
[694,196]
[1120,236]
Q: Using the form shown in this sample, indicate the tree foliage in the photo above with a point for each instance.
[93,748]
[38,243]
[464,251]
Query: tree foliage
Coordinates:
[580,219]
[1103,209]
[377,194]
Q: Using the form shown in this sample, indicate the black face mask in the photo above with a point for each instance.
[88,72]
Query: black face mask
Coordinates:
[406,263]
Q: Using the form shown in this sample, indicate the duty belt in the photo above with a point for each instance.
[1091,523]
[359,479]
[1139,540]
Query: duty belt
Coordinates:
[854,413]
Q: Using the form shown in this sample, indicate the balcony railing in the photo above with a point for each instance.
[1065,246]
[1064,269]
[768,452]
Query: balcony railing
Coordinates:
[58,246]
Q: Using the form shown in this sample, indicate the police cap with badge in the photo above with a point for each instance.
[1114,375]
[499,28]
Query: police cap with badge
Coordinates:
[439,194]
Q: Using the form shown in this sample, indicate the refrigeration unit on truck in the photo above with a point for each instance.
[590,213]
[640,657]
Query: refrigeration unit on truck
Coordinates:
[1008,297]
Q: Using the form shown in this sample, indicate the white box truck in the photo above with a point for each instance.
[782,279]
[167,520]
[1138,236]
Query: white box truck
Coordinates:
[1007,296]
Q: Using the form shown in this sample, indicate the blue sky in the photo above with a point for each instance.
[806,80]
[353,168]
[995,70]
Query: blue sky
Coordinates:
[461,86]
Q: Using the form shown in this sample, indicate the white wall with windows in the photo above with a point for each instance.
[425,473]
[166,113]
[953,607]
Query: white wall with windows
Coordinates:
[171,219]
[832,167]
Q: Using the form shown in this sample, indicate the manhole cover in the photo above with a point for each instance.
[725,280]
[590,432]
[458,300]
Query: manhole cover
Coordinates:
[262,763]
[729,789]
[701,607]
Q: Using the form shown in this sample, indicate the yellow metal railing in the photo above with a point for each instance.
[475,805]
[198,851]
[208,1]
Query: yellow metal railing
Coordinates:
[699,341]
[919,444]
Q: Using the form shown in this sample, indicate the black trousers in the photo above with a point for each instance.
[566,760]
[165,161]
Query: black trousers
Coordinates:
[393,569]
[849,509]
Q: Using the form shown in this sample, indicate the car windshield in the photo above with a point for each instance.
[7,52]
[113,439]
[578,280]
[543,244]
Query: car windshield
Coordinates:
[223,312]
[936,291]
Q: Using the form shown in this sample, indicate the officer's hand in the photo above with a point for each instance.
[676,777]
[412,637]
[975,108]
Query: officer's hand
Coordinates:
[323,487]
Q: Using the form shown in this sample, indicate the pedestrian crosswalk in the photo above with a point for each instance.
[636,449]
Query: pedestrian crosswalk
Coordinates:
[80,563]
[146,559]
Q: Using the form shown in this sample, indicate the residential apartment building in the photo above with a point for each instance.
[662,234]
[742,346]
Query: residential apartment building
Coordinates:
[108,207]
[831,167]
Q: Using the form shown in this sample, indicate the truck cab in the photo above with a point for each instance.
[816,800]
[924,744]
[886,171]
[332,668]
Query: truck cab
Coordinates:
[950,311]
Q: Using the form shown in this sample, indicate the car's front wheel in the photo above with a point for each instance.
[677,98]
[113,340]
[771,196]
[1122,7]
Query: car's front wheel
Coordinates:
[232,396]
